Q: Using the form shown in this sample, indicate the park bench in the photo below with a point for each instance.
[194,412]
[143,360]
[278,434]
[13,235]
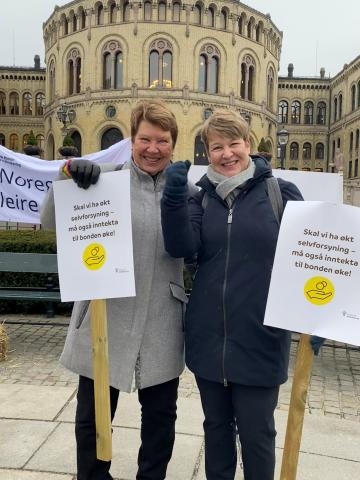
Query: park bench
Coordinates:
[31,263]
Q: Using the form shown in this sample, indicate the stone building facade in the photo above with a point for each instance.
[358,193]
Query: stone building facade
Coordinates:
[22,104]
[102,57]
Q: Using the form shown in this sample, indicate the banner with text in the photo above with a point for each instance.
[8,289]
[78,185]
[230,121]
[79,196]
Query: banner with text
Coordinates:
[316,271]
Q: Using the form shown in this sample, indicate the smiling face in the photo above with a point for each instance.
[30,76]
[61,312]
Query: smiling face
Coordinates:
[152,148]
[228,156]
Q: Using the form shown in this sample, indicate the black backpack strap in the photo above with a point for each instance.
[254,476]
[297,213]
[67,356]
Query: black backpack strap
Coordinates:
[275,197]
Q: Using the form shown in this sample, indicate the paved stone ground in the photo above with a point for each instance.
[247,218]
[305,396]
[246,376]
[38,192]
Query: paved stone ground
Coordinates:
[34,352]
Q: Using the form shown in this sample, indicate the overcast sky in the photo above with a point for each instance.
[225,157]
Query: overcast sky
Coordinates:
[316,34]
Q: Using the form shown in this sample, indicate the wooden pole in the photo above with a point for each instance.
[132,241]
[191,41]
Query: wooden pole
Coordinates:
[101,379]
[302,373]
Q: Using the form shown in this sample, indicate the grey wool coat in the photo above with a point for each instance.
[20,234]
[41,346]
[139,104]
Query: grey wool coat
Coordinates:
[145,333]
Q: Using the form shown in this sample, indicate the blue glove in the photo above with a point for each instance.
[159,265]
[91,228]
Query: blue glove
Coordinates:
[176,181]
[316,343]
[84,172]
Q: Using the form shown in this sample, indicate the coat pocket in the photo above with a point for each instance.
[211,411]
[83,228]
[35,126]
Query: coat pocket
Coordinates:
[178,292]
[83,307]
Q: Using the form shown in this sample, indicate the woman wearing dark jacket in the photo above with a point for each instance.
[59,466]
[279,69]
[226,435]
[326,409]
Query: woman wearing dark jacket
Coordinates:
[238,362]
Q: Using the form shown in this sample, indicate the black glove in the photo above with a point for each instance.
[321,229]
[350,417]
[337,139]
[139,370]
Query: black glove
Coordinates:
[316,343]
[84,172]
[175,189]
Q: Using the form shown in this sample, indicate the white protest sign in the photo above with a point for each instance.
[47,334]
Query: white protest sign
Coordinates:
[316,272]
[327,187]
[94,238]
[25,180]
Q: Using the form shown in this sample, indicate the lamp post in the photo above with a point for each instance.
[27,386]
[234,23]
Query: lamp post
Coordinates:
[283,138]
[65,115]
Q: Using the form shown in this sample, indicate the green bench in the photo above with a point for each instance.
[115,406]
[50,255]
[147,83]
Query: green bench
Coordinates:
[31,263]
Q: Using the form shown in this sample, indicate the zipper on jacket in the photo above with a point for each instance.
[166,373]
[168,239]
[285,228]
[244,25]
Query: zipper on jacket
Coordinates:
[229,222]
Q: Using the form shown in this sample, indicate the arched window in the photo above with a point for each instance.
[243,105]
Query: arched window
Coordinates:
[176,12]
[100,14]
[74,22]
[283,112]
[240,25]
[14,142]
[353,98]
[40,104]
[351,141]
[74,71]
[357,139]
[52,81]
[126,12]
[147,11]
[335,108]
[258,31]
[321,113]
[160,64]
[25,140]
[82,18]
[40,141]
[2,103]
[110,137]
[319,151]
[294,151]
[76,138]
[223,20]
[209,69]
[247,78]
[65,25]
[309,113]
[358,93]
[200,155]
[211,17]
[340,105]
[113,64]
[14,103]
[295,112]
[249,28]
[112,13]
[162,11]
[27,104]
[270,88]
[197,14]
[2,139]
[307,151]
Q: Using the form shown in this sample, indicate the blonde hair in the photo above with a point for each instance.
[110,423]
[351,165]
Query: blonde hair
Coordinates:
[156,113]
[226,123]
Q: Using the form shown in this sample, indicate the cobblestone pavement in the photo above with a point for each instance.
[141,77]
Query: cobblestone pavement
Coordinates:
[34,351]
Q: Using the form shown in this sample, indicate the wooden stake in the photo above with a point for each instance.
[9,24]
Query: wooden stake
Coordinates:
[302,373]
[101,379]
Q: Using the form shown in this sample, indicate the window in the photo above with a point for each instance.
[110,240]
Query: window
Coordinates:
[351,141]
[340,105]
[249,29]
[294,151]
[112,13]
[14,142]
[353,97]
[110,137]
[197,14]
[147,11]
[2,103]
[40,104]
[223,20]
[283,112]
[358,94]
[14,104]
[126,12]
[65,25]
[319,151]
[82,18]
[335,108]
[113,63]
[162,11]
[74,71]
[306,151]
[52,81]
[200,155]
[74,22]
[308,113]
[356,169]
[240,24]
[211,17]
[321,113]
[2,139]
[295,112]
[270,88]
[258,32]
[100,14]
[27,104]
[350,169]
[25,140]
[209,69]
[247,78]
[40,141]
[176,12]
[357,139]
[160,64]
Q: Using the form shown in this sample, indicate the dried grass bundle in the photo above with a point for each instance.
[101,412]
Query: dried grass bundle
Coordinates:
[4,343]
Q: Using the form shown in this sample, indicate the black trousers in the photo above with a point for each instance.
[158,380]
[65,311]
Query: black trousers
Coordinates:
[251,411]
[158,416]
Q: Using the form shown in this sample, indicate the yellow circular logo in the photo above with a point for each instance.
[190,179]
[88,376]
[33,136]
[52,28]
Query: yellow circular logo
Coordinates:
[94,256]
[319,290]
